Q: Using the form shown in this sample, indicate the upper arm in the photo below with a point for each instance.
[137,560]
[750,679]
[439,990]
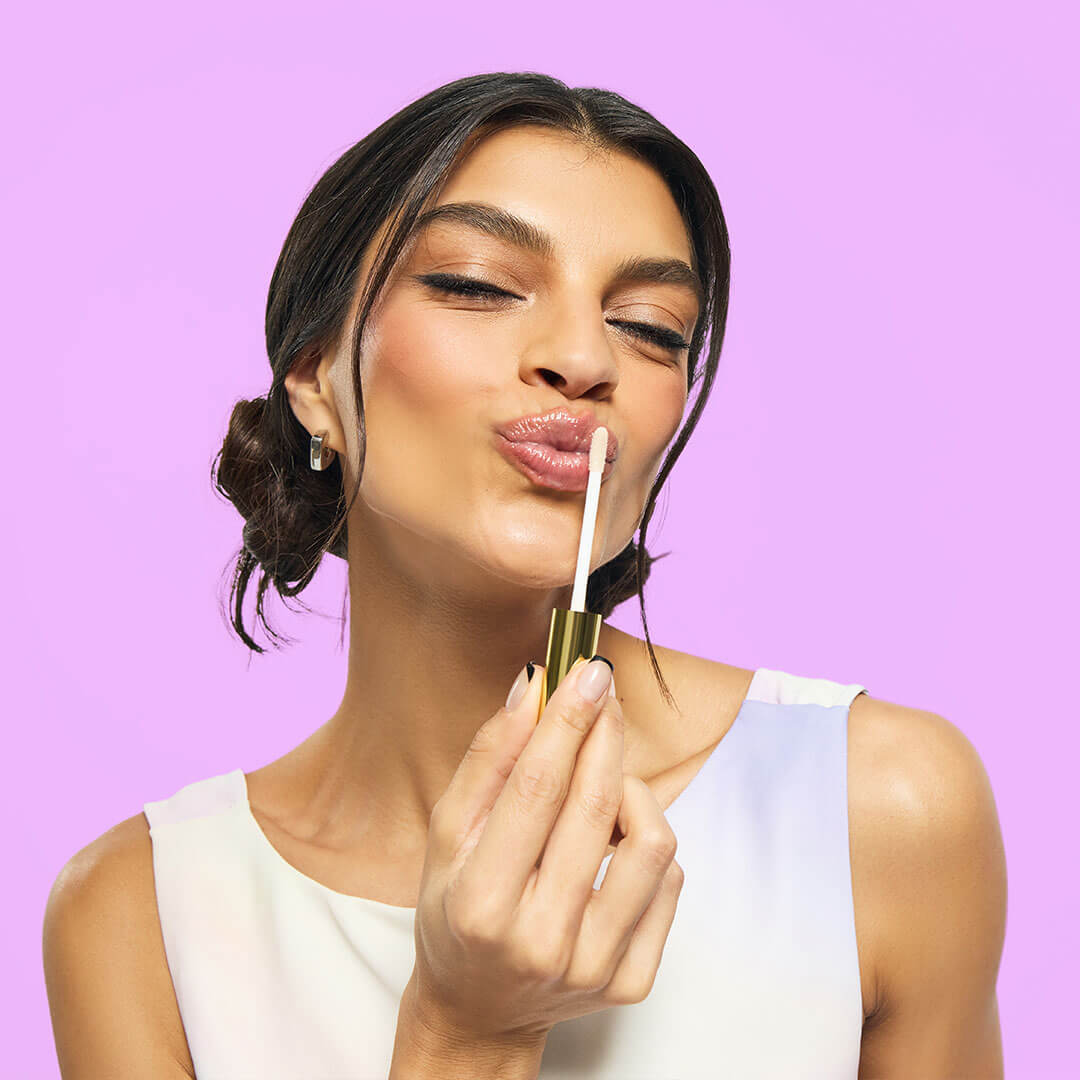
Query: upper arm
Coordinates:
[931,847]
[111,997]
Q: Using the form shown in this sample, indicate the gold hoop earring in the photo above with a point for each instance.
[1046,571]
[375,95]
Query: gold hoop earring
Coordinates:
[321,455]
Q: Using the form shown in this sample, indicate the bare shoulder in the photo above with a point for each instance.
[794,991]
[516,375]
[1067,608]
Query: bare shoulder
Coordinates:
[928,873]
[110,992]
[121,859]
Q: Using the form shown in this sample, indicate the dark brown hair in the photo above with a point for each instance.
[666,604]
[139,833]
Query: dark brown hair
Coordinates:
[294,514]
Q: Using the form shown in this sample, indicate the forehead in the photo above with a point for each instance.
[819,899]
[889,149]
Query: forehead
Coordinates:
[590,201]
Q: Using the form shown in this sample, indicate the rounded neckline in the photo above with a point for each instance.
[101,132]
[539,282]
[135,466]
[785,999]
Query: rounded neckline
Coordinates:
[276,857]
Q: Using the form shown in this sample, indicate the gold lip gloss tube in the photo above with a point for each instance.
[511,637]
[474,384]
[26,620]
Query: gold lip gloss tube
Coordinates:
[572,634]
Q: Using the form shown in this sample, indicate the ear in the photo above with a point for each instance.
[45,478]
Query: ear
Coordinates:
[311,397]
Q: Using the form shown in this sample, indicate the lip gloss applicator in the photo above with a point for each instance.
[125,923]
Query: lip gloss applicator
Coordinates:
[575,632]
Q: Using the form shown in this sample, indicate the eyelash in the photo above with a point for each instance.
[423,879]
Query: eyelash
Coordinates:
[466,286]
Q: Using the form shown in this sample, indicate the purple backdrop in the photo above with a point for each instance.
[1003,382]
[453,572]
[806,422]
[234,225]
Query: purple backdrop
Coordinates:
[883,491]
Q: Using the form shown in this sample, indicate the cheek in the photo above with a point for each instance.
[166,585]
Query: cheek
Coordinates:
[657,407]
[411,362]
[422,381]
[433,363]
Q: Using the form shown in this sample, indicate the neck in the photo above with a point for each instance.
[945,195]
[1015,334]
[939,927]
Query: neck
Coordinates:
[431,659]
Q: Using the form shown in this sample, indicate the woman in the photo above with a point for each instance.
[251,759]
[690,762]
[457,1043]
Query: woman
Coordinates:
[409,892]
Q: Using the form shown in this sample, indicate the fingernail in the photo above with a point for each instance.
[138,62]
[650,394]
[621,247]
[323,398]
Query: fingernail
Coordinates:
[595,678]
[611,688]
[521,684]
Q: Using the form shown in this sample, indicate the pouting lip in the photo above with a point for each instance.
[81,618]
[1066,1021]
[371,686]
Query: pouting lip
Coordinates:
[535,462]
[561,429]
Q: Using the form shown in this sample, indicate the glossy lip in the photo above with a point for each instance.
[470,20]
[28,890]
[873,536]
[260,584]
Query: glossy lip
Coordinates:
[563,470]
[560,429]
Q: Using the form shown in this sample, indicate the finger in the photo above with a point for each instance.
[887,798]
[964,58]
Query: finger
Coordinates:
[635,970]
[520,822]
[582,832]
[463,808]
[634,873]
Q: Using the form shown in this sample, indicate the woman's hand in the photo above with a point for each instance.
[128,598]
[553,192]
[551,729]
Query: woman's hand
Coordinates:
[511,937]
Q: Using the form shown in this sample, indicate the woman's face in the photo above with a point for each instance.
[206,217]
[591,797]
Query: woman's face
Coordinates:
[440,370]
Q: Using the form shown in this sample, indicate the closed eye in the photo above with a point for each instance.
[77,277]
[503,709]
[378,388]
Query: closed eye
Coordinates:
[466,286]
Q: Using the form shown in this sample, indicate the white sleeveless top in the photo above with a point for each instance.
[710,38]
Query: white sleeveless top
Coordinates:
[281,978]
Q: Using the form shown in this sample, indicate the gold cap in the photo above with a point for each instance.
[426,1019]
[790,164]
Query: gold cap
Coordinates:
[572,635]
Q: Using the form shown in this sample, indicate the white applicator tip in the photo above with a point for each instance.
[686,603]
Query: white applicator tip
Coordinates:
[598,450]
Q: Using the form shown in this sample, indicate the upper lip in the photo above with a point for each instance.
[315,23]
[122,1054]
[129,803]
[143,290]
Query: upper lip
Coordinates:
[560,429]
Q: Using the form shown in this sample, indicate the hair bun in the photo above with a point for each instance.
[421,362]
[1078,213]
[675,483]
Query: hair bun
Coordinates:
[288,508]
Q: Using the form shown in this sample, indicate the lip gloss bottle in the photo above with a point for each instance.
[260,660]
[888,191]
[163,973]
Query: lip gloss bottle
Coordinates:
[575,632]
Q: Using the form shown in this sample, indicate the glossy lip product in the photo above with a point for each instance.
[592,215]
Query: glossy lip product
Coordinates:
[564,470]
[553,450]
[575,632]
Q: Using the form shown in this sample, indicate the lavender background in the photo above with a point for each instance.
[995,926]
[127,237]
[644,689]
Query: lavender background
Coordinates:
[883,491]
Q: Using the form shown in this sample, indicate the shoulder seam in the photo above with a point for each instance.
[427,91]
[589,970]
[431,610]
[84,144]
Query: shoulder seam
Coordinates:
[772,687]
[200,799]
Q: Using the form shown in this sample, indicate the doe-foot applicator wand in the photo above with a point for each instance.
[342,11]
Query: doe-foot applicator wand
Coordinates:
[575,632]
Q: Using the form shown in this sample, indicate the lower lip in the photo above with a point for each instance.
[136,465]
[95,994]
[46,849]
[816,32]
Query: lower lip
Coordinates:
[563,470]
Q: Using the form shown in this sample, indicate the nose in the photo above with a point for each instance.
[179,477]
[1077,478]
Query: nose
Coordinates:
[570,349]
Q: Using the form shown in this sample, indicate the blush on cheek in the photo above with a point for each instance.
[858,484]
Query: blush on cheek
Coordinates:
[421,403]
[427,360]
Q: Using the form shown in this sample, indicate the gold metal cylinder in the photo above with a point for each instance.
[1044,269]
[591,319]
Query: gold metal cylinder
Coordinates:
[572,634]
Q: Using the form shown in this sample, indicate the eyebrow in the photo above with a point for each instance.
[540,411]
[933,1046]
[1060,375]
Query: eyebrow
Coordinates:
[503,225]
